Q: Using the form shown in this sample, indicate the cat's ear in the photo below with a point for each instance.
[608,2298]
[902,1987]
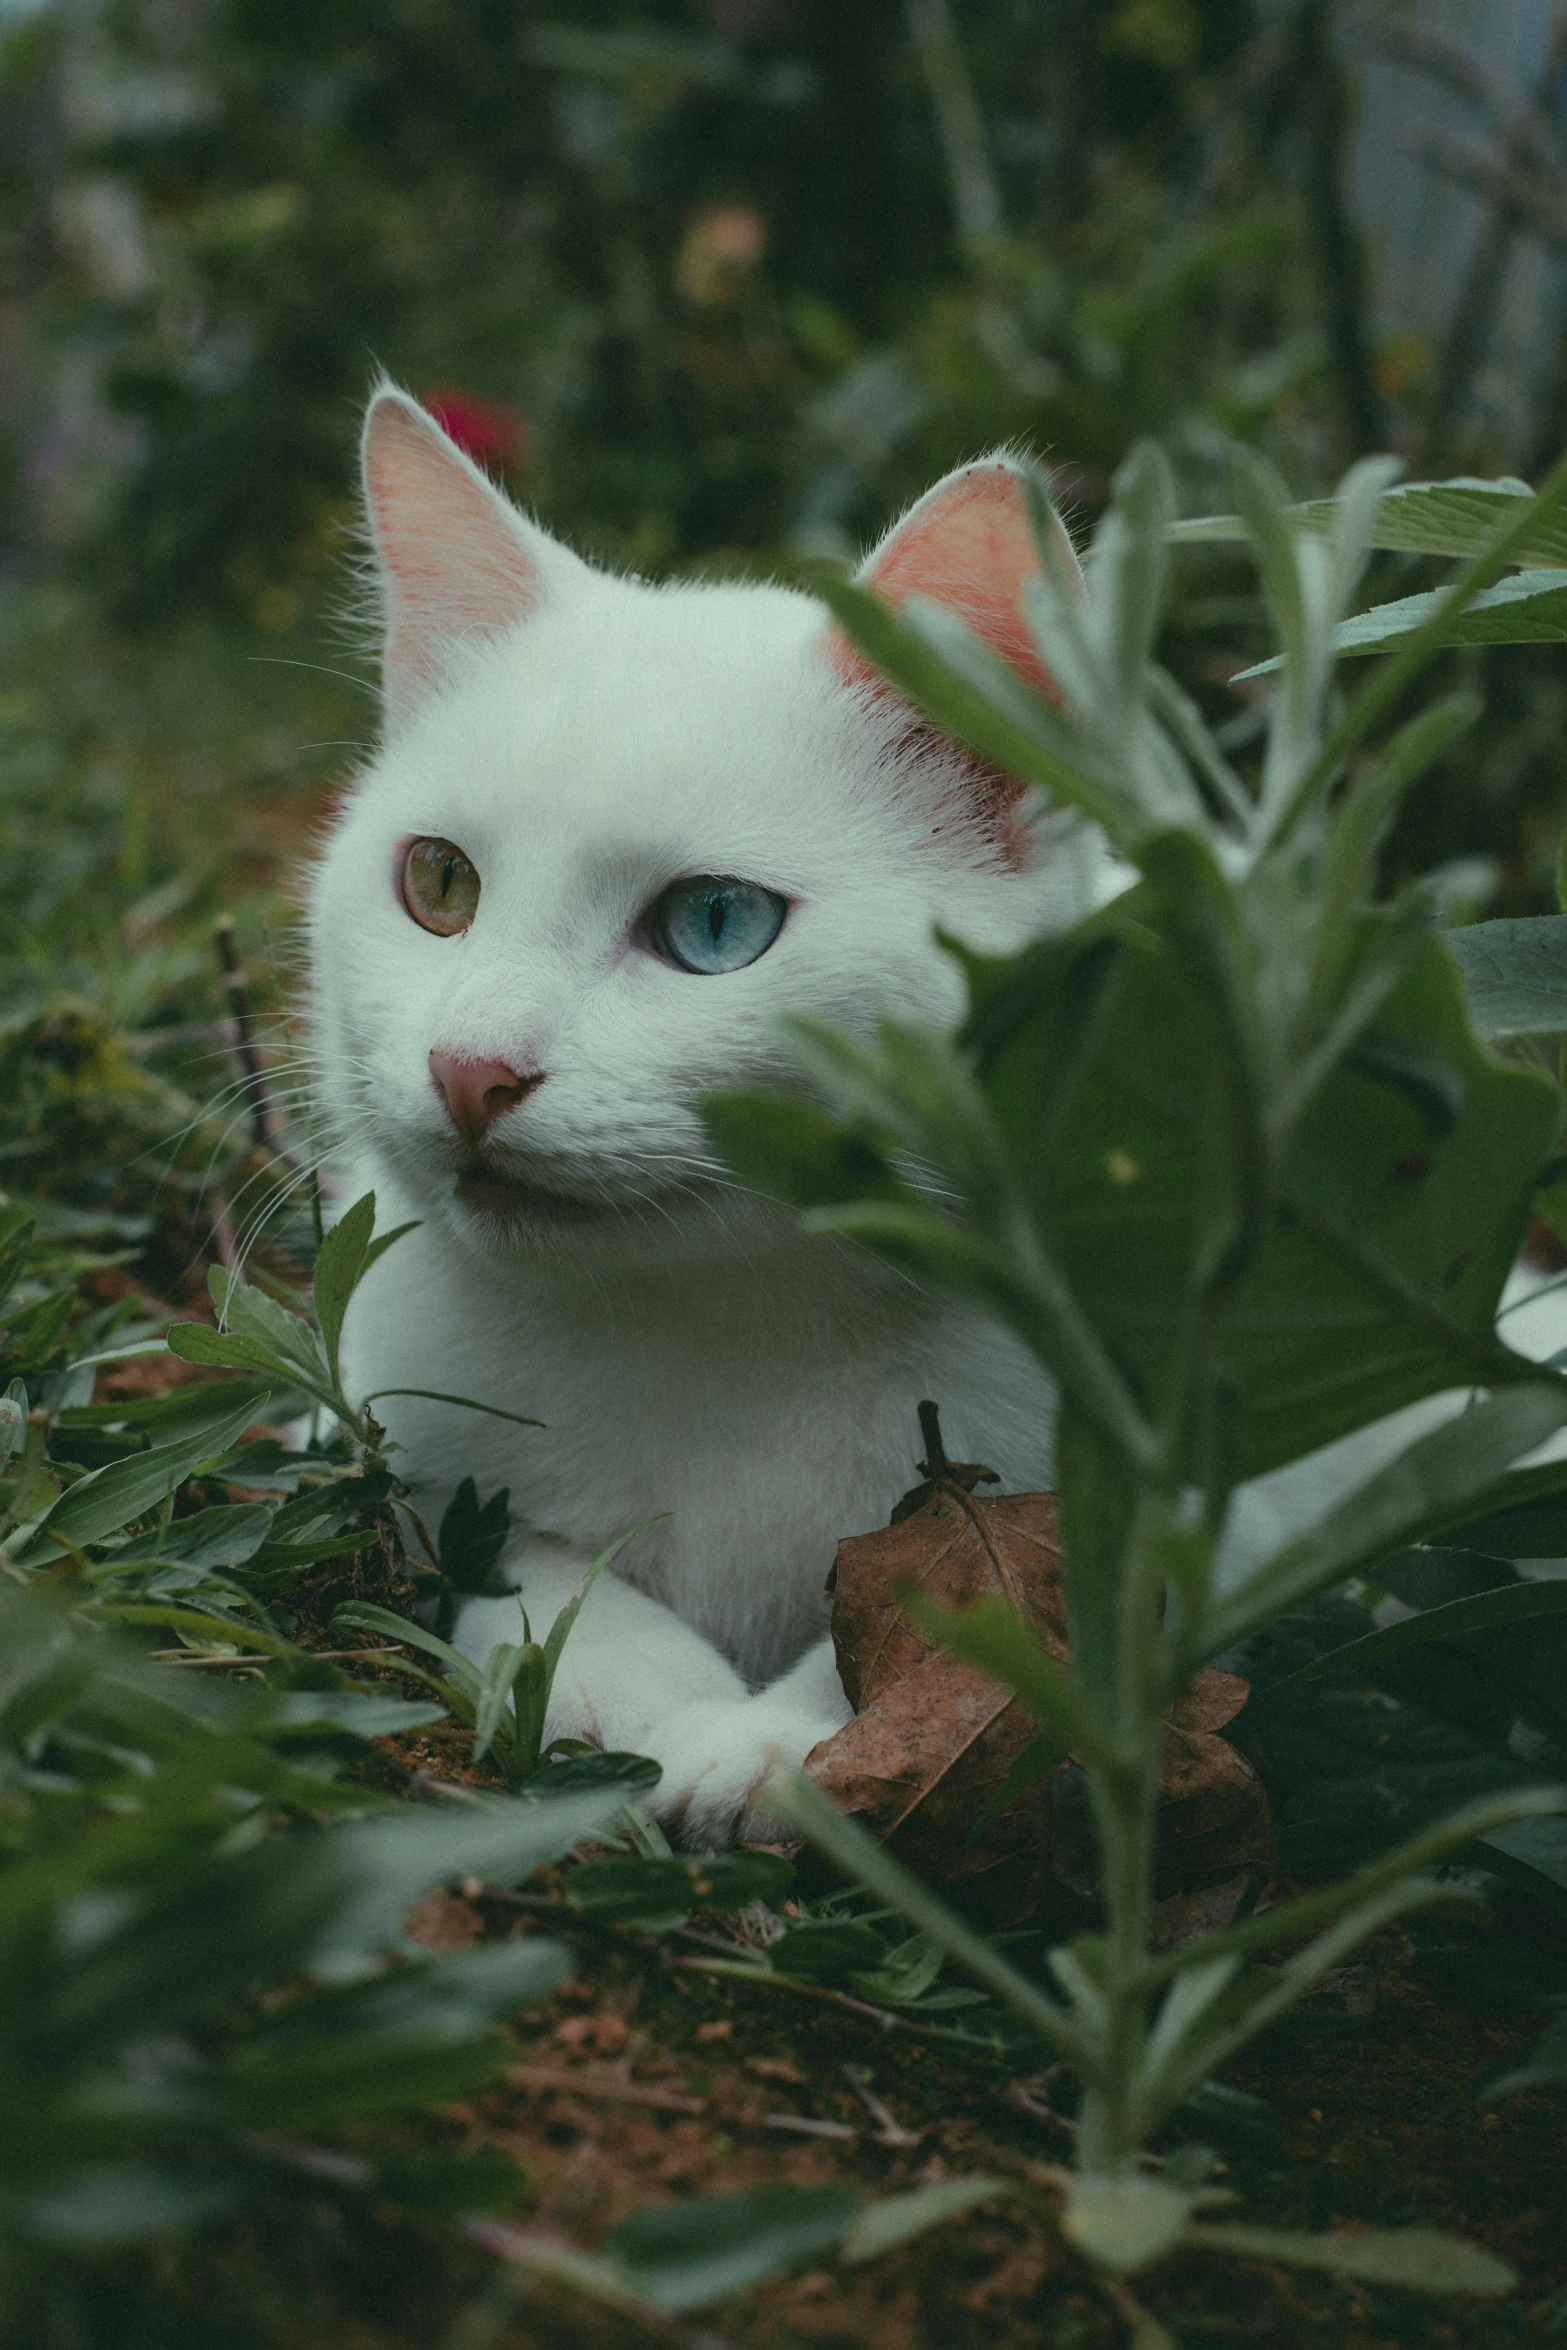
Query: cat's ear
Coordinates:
[454,558]
[969,545]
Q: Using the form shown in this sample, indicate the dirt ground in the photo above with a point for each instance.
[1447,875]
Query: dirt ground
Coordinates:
[645,2079]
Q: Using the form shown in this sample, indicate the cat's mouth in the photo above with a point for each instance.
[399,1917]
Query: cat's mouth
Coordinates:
[488,1188]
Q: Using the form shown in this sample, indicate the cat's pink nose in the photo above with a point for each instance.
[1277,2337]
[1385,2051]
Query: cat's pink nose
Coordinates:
[476,1093]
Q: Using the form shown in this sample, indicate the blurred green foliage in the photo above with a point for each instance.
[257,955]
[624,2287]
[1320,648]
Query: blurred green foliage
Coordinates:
[711,283]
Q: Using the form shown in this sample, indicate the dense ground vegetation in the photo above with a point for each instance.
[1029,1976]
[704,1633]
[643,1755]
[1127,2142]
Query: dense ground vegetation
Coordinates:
[711,286]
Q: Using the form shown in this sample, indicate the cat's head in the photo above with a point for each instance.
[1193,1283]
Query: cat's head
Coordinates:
[614,831]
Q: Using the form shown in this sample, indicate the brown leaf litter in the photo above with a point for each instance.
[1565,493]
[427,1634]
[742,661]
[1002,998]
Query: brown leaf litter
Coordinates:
[933,1738]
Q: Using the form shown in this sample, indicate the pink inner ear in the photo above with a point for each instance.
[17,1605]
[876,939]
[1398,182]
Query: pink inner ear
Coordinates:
[969,545]
[454,563]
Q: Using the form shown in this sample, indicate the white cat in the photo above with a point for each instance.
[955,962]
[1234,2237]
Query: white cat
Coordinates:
[613,833]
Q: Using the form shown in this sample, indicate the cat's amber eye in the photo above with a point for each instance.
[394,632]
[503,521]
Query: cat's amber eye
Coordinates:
[439,887]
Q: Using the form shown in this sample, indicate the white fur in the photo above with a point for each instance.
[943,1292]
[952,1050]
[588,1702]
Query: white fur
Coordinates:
[690,1351]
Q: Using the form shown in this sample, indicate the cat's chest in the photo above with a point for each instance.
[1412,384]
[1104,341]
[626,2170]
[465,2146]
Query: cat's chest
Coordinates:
[656,1399]
[757,1420]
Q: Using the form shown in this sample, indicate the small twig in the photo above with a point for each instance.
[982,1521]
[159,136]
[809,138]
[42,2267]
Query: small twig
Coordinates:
[551,2257]
[889,2130]
[186,1656]
[223,1235]
[1537,197]
[804,2127]
[1019,2098]
[1147,2333]
[235,987]
[739,1971]
[431,1785]
[934,1465]
[263,1125]
[608,2088]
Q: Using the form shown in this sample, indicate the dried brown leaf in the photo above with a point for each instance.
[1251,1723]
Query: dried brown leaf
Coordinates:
[933,1738]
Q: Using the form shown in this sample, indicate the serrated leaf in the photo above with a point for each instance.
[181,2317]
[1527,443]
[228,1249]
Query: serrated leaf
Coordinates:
[198,1342]
[248,1312]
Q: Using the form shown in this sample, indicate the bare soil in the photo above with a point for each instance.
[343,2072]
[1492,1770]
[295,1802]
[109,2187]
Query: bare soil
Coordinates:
[644,2079]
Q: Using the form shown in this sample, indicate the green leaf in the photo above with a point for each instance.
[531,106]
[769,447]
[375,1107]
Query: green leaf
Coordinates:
[198,1342]
[1417,518]
[1102,1066]
[340,1262]
[826,1950]
[1038,1759]
[13,1421]
[1418,1494]
[363,1712]
[471,1538]
[459,1677]
[1386,1879]
[107,1499]
[502,1668]
[596,1767]
[555,1639]
[249,1313]
[972,694]
[1123,2223]
[901,1976]
[867,1863]
[1512,1603]
[223,1537]
[1379,1281]
[795,1151]
[450,2184]
[17,1231]
[1514,974]
[704,2249]
[898,2219]
[1528,608]
[1418,2260]
[617,1891]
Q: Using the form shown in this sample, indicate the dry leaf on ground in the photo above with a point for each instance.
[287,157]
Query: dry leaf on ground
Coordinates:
[933,1738]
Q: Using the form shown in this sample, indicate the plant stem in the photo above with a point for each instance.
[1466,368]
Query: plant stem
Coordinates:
[1125,1810]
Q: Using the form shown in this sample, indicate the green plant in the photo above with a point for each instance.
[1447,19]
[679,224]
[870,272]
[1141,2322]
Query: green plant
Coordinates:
[138,2089]
[507,1700]
[204,1988]
[1230,1158]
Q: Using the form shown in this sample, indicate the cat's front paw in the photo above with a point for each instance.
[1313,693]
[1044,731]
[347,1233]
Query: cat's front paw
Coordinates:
[719,1762]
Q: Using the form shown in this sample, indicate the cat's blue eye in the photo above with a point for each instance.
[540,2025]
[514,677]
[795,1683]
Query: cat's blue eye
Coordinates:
[709,923]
